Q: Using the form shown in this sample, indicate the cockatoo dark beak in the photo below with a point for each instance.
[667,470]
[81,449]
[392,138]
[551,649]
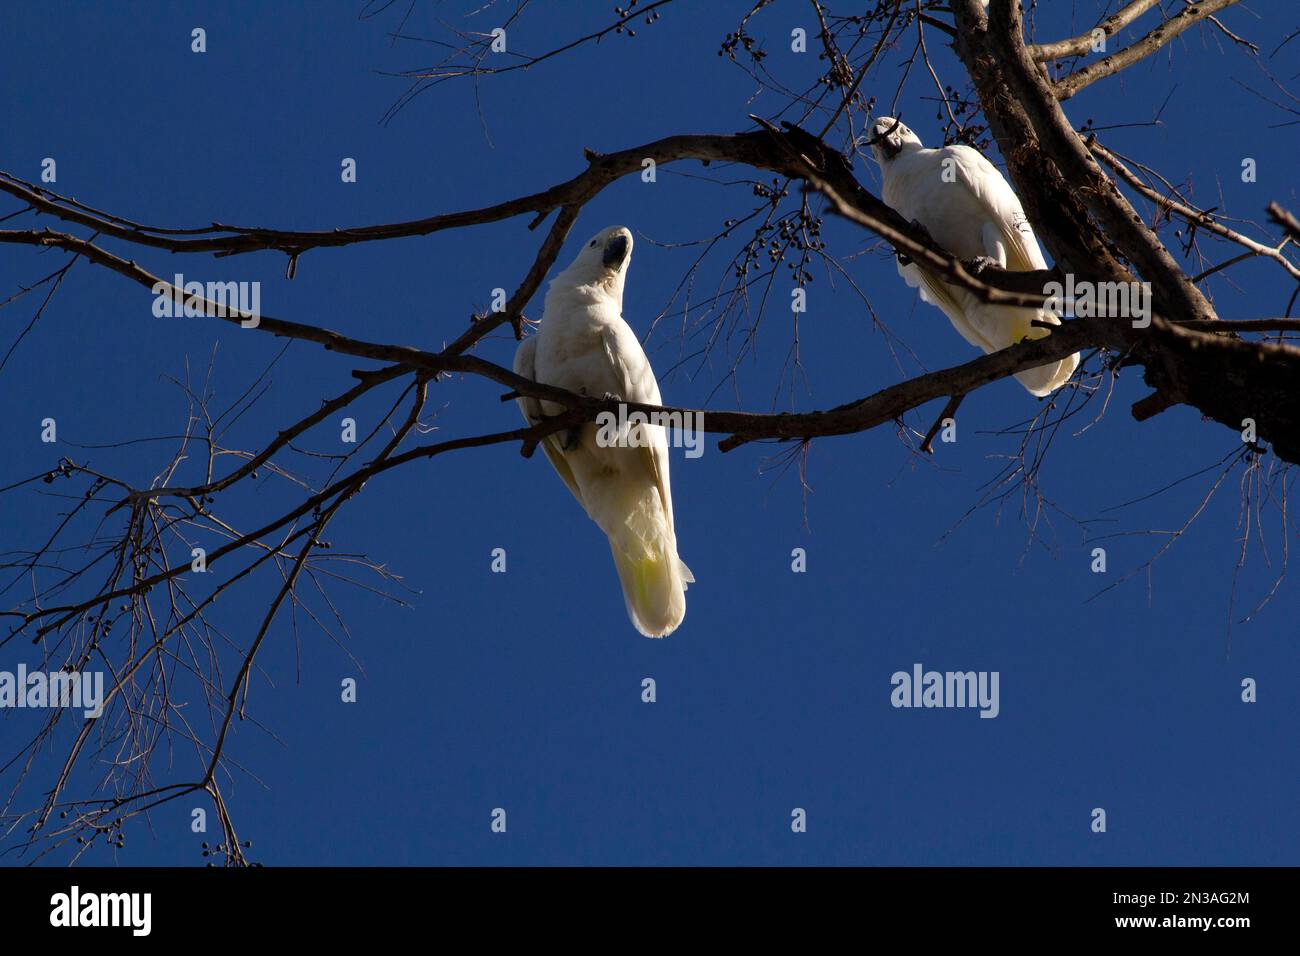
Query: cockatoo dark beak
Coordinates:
[615,252]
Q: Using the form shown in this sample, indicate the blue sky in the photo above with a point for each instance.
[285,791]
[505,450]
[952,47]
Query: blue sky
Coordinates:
[523,690]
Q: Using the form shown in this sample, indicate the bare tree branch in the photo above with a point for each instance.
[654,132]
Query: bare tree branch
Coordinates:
[1175,26]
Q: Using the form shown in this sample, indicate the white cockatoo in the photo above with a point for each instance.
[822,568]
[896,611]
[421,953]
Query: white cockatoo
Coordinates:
[970,210]
[584,346]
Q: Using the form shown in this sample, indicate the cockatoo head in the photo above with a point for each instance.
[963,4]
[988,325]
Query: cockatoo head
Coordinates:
[889,137]
[602,262]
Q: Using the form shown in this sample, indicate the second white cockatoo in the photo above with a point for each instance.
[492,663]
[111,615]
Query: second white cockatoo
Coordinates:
[583,345]
[970,210]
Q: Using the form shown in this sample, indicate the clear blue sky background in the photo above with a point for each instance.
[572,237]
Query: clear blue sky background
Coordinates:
[522,690]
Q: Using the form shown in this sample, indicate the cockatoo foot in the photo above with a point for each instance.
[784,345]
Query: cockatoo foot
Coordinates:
[572,435]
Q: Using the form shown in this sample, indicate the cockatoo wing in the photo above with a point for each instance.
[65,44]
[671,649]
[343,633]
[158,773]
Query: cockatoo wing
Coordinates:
[1009,240]
[938,293]
[640,385]
[532,409]
[1008,236]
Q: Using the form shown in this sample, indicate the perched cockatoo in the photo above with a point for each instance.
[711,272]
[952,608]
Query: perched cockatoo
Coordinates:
[970,210]
[584,345]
